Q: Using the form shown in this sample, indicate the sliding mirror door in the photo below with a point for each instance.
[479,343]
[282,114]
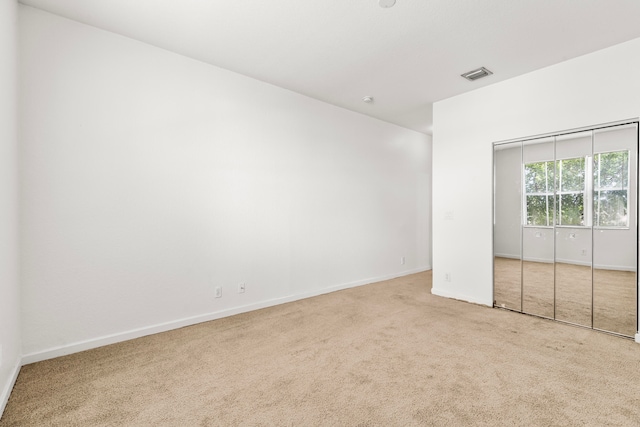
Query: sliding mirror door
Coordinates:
[565,227]
[614,235]
[573,237]
[507,231]
[537,236]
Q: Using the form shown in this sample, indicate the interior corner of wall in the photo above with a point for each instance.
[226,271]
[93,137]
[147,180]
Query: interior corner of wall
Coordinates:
[5,392]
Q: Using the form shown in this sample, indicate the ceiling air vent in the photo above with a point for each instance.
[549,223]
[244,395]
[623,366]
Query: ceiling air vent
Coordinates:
[477,74]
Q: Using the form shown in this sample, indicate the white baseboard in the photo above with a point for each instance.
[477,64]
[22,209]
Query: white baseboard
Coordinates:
[6,391]
[638,337]
[456,296]
[180,323]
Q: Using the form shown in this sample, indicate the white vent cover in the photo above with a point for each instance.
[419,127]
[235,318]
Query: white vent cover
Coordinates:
[476,74]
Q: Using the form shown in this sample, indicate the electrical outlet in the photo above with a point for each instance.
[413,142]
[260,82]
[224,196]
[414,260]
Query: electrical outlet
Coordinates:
[447,277]
[401,260]
[241,288]
[0,355]
[584,252]
[218,292]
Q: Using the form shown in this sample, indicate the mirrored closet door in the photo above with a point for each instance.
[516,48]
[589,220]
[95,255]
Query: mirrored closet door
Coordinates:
[573,228]
[565,227]
[539,204]
[507,230]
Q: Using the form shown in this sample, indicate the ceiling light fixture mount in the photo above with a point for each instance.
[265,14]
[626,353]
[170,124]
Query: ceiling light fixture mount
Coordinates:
[386,3]
[476,74]
[368,99]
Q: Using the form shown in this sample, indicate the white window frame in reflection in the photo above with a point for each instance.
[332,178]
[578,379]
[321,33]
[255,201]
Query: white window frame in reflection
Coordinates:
[591,193]
[623,187]
[547,193]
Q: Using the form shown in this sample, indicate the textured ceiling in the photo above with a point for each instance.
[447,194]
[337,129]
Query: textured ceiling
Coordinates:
[338,51]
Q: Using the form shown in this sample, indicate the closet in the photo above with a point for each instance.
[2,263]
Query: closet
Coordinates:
[565,233]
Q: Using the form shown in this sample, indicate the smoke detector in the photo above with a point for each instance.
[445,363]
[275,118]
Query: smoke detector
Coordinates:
[368,99]
[386,3]
[476,74]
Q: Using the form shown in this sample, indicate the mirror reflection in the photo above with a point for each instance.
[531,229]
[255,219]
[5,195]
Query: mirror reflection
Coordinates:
[565,231]
[572,229]
[537,237]
[506,228]
[614,235]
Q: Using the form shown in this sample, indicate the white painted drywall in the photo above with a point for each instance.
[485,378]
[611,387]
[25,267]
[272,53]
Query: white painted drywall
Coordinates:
[10,351]
[597,88]
[148,179]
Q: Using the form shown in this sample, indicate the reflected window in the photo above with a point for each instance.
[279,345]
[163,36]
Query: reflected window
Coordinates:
[538,186]
[539,189]
[611,189]
[571,191]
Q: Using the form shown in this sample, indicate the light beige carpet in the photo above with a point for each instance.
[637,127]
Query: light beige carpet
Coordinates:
[386,354]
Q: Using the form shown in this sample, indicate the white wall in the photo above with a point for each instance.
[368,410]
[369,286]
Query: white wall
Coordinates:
[148,179]
[9,292]
[597,88]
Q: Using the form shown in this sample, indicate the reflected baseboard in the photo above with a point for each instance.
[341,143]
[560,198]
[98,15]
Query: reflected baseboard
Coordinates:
[510,256]
[541,260]
[614,267]
[568,261]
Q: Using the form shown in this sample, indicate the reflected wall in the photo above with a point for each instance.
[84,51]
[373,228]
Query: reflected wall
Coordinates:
[573,240]
[565,227]
[539,203]
[614,225]
[506,226]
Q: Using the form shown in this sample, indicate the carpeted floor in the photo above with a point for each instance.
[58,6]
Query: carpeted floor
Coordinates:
[386,354]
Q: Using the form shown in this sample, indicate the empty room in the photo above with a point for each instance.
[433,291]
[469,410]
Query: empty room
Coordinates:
[359,213]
